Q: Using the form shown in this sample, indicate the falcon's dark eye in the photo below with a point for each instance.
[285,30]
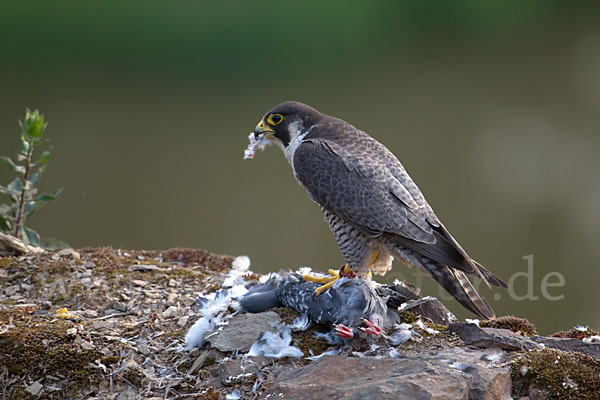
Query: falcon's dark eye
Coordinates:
[275,119]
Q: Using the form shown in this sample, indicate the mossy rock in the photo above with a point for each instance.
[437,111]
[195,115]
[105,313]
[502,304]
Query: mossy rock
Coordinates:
[515,324]
[110,360]
[576,333]
[309,344]
[306,340]
[437,327]
[35,348]
[561,374]
[6,262]
[287,315]
[215,262]
[408,317]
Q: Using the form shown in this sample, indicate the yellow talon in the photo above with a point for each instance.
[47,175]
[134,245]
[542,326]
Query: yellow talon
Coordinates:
[327,281]
[320,279]
[326,286]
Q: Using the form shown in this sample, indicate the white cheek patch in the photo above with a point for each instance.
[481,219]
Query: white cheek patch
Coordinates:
[297,138]
[255,144]
[295,129]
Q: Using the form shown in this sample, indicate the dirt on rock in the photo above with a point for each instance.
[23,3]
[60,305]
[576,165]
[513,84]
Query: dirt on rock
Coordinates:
[93,323]
[103,323]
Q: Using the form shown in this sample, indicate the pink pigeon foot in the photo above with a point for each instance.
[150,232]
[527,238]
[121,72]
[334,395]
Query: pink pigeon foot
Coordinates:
[372,327]
[343,331]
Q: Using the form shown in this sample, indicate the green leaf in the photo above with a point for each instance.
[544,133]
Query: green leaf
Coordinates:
[34,126]
[17,168]
[35,177]
[30,207]
[15,187]
[4,209]
[31,236]
[13,196]
[48,196]
[44,158]
[23,145]
[4,224]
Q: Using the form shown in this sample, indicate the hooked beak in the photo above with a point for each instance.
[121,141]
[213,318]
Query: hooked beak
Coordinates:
[262,128]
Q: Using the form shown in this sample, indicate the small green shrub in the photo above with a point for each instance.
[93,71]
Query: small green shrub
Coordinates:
[23,195]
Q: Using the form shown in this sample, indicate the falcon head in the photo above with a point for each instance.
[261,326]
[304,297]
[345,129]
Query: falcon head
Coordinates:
[286,122]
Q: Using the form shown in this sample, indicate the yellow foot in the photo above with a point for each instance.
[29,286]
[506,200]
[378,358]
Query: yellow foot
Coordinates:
[329,281]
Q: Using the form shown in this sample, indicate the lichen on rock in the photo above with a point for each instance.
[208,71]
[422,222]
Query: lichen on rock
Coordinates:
[560,374]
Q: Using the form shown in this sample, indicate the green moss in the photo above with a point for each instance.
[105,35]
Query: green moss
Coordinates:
[305,341]
[210,261]
[309,344]
[437,327]
[55,267]
[76,289]
[134,376]
[561,374]
[430,344]
[15,369]
[204,374]
[408,317]
[58,298]
[210,361]
[182,273]
[8,262]
[20,394]
[515,324]
[212,288]
[211,394]
[35,346]
[109,360]
[286,314]
[576,333]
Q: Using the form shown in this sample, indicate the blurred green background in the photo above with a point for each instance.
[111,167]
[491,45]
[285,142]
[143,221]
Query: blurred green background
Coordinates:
[493,107]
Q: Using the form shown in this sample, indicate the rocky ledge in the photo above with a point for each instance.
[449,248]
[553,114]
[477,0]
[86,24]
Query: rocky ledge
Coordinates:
[116,324]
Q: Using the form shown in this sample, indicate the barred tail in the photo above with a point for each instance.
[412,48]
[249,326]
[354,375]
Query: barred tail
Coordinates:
[458,285]
[451,279]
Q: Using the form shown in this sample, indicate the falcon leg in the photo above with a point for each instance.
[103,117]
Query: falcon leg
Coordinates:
[329,281]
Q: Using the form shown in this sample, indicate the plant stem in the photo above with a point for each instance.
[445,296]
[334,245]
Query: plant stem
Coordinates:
[20,216]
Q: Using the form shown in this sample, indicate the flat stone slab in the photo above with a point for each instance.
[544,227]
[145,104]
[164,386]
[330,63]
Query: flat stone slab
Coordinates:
[354,378]
[487,367]
[243,330]
[569,344]
[473,335]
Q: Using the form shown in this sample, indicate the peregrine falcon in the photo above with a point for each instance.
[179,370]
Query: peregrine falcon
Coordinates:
[374,209]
